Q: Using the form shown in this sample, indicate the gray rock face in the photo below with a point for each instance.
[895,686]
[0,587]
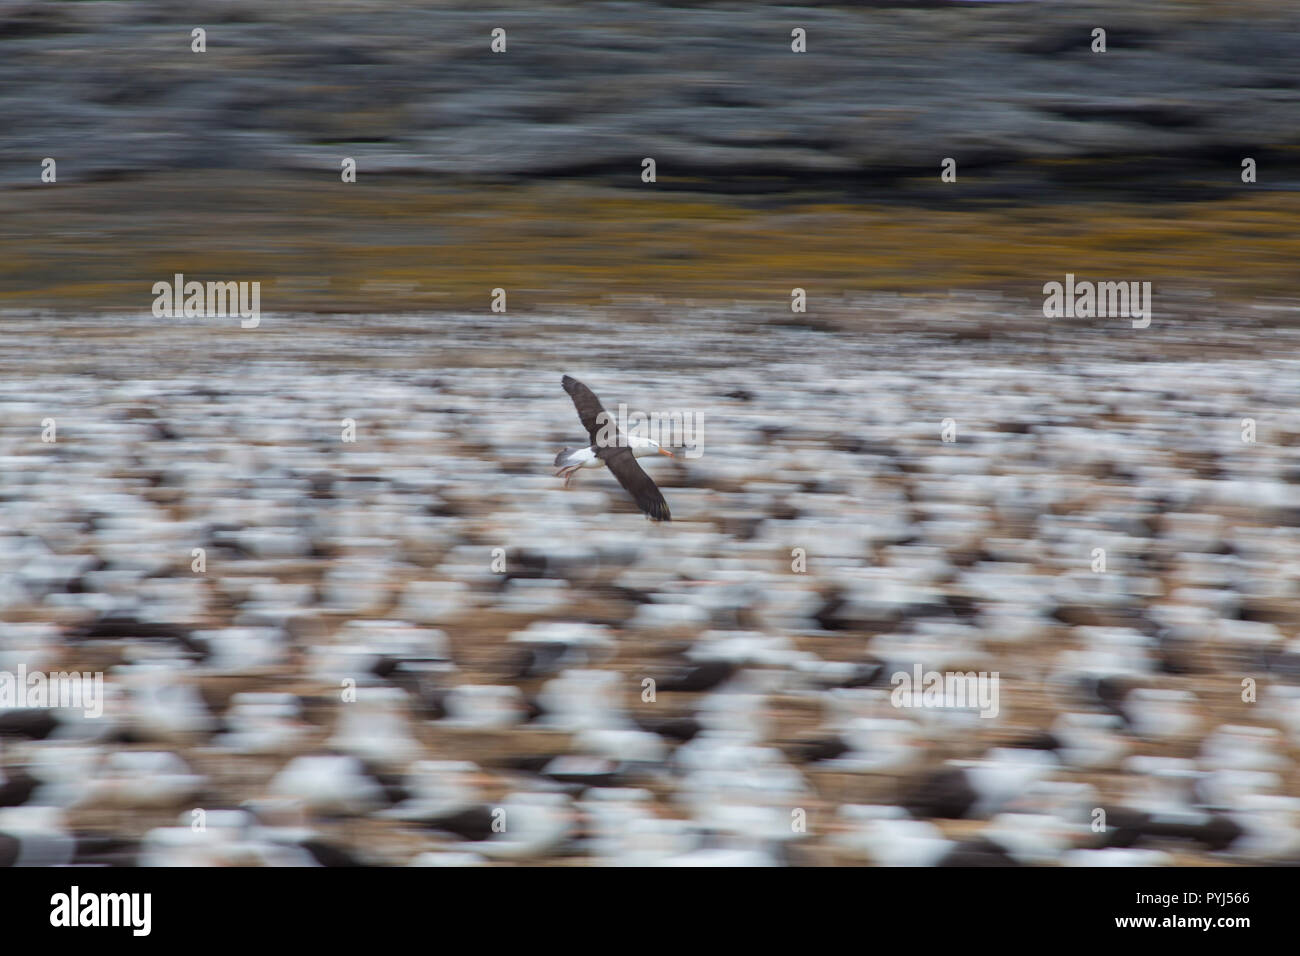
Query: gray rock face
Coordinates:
[711,90]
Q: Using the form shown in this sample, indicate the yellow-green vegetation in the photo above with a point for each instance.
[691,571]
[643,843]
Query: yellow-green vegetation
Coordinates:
[406,243]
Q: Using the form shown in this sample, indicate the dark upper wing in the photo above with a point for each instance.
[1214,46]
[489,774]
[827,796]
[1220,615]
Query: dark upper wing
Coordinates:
[590,410]
[649,499]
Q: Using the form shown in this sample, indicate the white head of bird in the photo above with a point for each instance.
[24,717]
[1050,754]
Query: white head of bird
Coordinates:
[642,446]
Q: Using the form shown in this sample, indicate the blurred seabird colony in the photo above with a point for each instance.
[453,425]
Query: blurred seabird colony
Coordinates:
[418,648]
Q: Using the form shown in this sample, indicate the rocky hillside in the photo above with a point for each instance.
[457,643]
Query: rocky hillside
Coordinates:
[709,90]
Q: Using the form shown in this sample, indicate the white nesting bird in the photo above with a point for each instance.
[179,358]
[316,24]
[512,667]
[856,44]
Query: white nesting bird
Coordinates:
[164,705]
[650,841]
[1271,823]
[1163,786]
[878,744]
[887,836]
[1222,788]
[532,827]
[1034,839]
[41,833]
[262,723]
[1003,774]
[329,784]
[1159,714]
[375,727]
[1243,747]
[218,838]
[438,788]
[609,813]
[584,700]
[142,779]
[1090,740]
[484,706]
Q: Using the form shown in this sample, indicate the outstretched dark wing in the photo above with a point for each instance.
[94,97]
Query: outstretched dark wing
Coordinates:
[649,499]
[590,410]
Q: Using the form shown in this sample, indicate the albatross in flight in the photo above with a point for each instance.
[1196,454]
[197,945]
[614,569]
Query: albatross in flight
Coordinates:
[621,458]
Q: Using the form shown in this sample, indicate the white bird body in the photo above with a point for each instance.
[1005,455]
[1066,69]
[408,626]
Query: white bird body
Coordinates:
[570,460]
